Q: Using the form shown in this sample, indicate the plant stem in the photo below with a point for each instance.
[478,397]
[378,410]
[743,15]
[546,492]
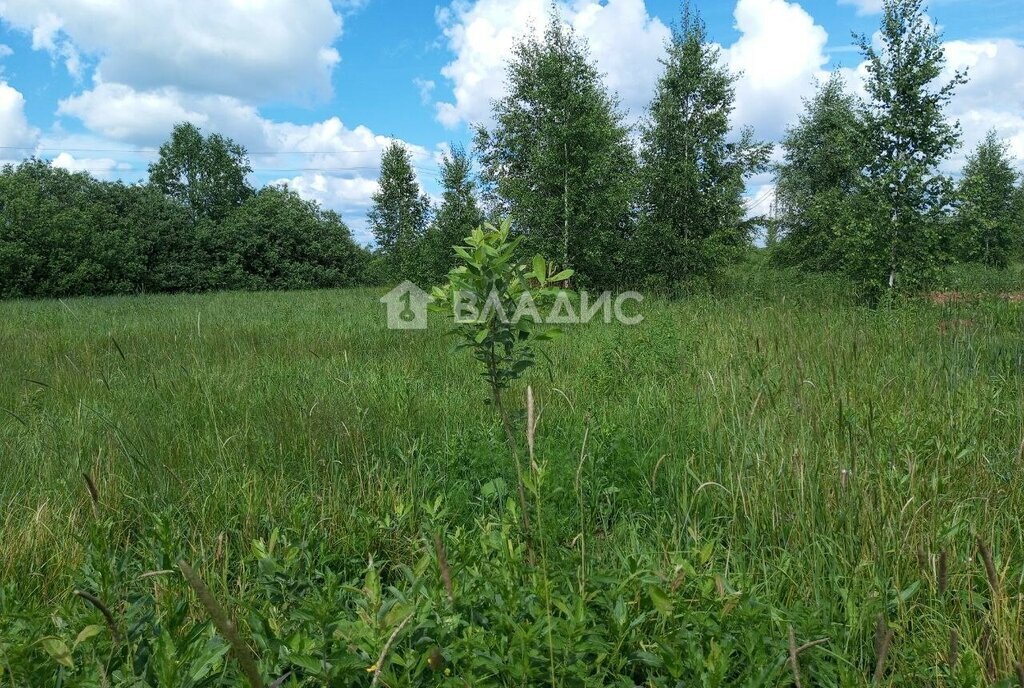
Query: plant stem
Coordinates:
[510,439]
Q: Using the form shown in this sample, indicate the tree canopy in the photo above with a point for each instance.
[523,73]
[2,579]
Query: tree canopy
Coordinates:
[817,182]
[693,174]
[558,160]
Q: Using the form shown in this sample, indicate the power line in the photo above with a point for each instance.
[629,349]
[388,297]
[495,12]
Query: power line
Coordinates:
[761,199]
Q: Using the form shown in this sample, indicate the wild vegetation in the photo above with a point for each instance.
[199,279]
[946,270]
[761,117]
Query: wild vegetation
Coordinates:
[769,457]
[800,469]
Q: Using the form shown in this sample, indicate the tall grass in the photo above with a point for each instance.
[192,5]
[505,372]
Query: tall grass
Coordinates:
[836,464]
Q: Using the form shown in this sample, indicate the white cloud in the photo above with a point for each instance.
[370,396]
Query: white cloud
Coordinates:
[252,49]
[15,131]
[324,161]
[991,99]
[5,50]
[426,88]
[142,117]
[781,51]
[350,196]
[102,168]
[780,54]
[624,39]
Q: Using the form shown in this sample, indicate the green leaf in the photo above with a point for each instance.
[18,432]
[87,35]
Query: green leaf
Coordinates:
[88,632]
[661,601]
[496,487]
[60,653]
[212,654]
[308,663]
[539,269]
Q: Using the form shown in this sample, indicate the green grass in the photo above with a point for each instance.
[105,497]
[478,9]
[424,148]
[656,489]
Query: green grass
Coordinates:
[690,478]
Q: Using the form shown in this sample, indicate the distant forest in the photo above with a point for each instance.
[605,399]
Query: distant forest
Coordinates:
[858,189]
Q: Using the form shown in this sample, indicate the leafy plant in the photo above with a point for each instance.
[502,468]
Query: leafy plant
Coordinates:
[495,301]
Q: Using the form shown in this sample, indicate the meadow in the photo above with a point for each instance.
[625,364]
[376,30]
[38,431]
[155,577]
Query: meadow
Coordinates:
[767,485]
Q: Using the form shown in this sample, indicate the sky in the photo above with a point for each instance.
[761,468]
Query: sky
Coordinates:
[316,89]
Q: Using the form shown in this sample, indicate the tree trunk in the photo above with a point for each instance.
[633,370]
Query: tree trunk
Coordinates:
[565,211]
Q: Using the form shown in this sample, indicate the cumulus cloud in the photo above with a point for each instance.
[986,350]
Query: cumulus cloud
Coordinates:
[256,50]
[17,137]
[989,100]
[624,39]
[103,168]
[325,161]
[780,55]
[781,52]
[351,196]
[992,98]
[145,118]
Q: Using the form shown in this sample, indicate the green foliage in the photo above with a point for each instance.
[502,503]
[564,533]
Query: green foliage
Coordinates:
[316,620]
[65,234]
[399,216]
[494,301]
[734,465]
[455,219]
[557,160]
[205,174]
[277,240]
[898,246]
[819,178]
[692,205]
[987,224]
[61,234]
[1018,215]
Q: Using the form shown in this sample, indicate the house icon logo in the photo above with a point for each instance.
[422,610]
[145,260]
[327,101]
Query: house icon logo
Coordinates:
[407,307]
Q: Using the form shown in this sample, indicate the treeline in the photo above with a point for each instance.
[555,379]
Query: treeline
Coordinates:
[196,225]
[661,209]
[858,188]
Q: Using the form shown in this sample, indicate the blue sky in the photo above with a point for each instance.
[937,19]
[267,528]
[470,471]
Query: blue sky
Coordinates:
[315,89]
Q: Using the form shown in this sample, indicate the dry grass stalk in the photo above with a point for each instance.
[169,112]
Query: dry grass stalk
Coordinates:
[657,467]
[280,682]
[102,608]
[379,666]
[442,563]
[794,654]
[794,662]
[531,423]
[953,656]
[1020,674]
[246,660]
[943,571]
[880,629]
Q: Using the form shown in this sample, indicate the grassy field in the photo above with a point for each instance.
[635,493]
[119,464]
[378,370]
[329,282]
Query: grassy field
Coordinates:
[770,460]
